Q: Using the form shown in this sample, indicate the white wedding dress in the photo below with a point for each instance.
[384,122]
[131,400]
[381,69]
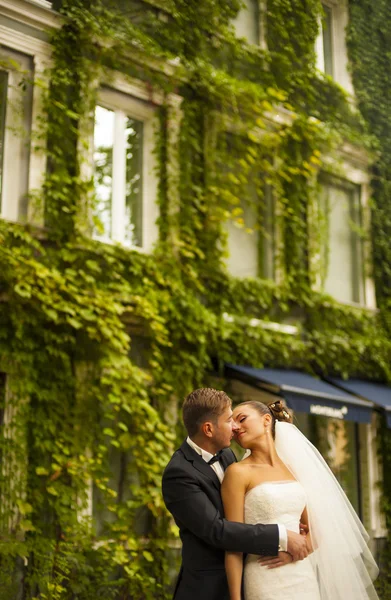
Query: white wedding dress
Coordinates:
[278,502]
[341,566]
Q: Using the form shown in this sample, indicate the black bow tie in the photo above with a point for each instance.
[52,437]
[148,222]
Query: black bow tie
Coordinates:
[215,458]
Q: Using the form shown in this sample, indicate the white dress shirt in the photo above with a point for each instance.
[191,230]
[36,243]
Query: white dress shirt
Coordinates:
[218,469]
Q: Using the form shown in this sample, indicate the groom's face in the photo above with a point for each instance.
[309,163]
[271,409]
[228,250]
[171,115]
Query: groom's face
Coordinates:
[224,429]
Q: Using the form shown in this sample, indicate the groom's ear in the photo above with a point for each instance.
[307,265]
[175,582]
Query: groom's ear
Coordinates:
[207,428]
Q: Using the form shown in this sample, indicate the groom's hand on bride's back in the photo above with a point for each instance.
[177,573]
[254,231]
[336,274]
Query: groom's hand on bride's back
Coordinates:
[297,545]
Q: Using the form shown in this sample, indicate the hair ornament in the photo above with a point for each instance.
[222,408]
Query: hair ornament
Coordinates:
[279,411]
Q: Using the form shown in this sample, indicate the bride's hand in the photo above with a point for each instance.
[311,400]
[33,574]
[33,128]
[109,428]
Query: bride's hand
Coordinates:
[273,562]
[304,529]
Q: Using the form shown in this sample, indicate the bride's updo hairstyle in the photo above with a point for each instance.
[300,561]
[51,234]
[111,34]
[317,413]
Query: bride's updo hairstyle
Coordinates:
[276,409]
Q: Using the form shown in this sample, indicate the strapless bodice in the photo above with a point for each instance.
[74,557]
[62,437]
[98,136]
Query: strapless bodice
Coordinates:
[275,502]
[279,502]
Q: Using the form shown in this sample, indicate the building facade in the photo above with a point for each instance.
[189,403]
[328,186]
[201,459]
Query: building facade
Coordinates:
[187,199]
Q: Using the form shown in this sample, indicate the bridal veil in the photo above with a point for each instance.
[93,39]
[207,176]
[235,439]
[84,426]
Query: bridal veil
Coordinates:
[344,565]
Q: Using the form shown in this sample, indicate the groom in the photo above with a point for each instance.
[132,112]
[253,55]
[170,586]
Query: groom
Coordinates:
[191,491]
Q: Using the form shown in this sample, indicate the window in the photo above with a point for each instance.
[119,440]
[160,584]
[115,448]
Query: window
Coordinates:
[15,126]
[343,276]
[125,186]
[122,478]
[267,248]
[247,22]
[243,243]
[252,239]
[324,43]
[118,176]
[331,51]
[338,443]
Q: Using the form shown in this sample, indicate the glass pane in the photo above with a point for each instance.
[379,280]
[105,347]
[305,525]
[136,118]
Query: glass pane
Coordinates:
[3,105]
[246,23]
[134,182]
[119,481]
[327,41]
[268,235]
[243,243]
[343,277]
[337,441]
[357,245]
[103,171]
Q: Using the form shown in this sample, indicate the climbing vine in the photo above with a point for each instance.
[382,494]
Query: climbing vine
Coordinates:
[370,76]
[99,343]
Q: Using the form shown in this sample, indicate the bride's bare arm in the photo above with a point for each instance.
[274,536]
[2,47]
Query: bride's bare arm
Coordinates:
[232,492]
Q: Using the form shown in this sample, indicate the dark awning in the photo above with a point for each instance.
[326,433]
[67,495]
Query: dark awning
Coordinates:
[377,393]
[304,393]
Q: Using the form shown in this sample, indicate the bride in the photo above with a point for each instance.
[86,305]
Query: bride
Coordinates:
[284,479]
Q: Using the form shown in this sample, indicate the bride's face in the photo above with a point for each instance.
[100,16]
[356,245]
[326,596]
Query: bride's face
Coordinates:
[251,425]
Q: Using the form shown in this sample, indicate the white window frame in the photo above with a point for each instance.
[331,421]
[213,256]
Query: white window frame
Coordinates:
[274,118]
[129,105]
[132,98]
[40,53]
[15,150]
[125,106]
[352,204]
[339,19]
[352,166]
[320,60]
[261,6]
[36,13]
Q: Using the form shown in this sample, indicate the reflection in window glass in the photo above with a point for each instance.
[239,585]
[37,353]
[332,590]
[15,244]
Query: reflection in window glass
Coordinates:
[268,245]
[3,104]
[246,23]
[243,242]
[133,200]
[118,150]
[103,174]
[337,441]
[327,41]
[343,275]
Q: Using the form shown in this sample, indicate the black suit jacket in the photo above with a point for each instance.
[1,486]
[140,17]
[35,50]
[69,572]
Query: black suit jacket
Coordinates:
[191,491]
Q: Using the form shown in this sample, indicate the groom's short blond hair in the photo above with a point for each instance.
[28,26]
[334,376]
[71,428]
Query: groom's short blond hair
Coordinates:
[204,404]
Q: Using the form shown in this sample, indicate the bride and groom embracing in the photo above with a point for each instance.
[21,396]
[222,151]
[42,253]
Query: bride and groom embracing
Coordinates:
[274,526]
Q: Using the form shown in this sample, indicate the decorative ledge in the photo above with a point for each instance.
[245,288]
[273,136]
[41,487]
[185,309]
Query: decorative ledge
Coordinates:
[43,3]
[34,13]
[273,326]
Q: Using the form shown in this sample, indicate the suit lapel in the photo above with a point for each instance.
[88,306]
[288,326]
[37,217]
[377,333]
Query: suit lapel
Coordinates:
[199,463]
[227,458]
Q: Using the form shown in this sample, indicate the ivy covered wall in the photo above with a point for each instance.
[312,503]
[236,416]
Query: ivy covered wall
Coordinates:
[371,77]
[72,307]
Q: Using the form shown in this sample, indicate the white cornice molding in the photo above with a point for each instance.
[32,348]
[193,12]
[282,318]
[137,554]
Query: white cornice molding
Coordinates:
[43,3]
[137,88]
[24,43]
[271,325]
[36,14]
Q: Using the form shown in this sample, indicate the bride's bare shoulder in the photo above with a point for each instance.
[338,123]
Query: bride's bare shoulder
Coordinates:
[237,469]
